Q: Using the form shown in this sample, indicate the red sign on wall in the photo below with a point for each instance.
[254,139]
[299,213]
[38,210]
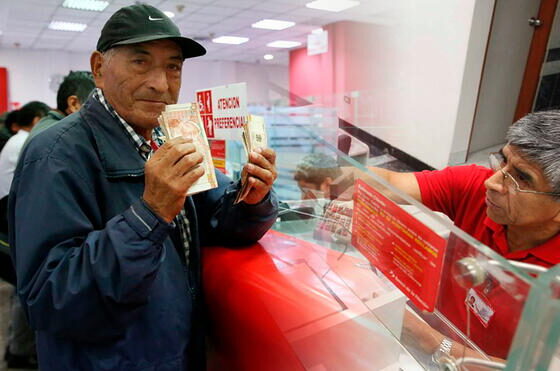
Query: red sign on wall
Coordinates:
[3,89]
[406,251]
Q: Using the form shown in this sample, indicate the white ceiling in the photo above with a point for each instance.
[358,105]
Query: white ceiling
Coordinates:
[23,24]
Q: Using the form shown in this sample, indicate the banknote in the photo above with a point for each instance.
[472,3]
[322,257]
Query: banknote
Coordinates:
[183,120]
[256,133]
[254,136]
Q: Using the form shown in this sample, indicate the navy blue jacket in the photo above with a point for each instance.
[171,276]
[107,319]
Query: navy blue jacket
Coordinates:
[103,280]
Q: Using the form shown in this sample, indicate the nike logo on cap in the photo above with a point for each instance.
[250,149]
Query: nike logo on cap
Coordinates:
[154,19]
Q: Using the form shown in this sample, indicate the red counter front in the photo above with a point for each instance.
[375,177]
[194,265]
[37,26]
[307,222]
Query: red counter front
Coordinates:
[289,304]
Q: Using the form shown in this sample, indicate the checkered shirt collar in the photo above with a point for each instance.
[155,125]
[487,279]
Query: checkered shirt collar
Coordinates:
[146,151]
[140,142]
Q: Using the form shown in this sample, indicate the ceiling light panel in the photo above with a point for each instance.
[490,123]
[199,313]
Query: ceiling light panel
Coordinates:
[273,24]
[332,5]
[283,44]
[67,26]
[91,5]
[234,40]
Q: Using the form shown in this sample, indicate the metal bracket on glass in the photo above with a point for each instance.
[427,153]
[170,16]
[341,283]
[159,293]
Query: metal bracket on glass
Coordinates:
[471,273]
[448,363]
[526,267]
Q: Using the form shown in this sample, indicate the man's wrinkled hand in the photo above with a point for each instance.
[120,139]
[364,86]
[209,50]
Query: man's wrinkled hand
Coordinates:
[169,174]
[260,173]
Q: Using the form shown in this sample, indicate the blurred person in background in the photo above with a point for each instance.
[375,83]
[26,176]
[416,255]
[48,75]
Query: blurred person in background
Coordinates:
[72,93]
[20,351]
[321,182]
[6,130]
[27,117]
[5,134]
[314,175]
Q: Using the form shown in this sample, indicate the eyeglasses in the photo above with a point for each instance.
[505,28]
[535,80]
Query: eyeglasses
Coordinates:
[497,163]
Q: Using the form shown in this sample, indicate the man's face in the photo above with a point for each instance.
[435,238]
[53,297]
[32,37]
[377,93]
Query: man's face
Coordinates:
[310,191]
[139,80]
[509,207]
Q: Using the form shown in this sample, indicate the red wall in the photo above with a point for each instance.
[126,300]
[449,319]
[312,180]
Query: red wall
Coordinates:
[347,66]
[3,89]
[311,75]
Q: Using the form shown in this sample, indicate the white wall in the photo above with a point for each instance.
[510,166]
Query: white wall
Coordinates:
[30,73]
[470,94]
[430,62]
[201,74]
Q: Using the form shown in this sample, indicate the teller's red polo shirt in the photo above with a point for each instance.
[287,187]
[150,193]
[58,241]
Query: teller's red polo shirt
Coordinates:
[459,193]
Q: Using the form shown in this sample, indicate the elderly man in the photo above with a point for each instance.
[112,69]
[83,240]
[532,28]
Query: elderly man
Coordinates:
[513,207]
[106,242]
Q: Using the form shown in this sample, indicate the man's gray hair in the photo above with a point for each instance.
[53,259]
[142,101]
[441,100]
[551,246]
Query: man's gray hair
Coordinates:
[316,167]
[537,137]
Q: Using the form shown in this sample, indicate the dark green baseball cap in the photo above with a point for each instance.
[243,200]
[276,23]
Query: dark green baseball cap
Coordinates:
[140,23]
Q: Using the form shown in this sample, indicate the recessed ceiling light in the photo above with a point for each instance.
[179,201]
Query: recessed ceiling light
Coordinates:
[235,40]
[268,57]
[273,24]
[283,44]
[169,14]
[332,5]
[67,26]
[92,5]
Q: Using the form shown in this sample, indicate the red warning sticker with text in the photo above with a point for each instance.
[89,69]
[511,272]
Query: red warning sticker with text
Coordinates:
[218,152]
[223,110]
[406,251]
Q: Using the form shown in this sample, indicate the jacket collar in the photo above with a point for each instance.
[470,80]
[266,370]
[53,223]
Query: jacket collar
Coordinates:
[55,115]
[119,157]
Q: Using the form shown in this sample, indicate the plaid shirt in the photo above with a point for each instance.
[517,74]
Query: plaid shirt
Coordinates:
[146,151]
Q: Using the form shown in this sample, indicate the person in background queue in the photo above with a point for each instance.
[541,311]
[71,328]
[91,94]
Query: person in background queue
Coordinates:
[20,350]
[6,132]
[72,93]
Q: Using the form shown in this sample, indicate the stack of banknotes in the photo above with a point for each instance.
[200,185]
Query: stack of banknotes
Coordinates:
[254,136]
[183,120]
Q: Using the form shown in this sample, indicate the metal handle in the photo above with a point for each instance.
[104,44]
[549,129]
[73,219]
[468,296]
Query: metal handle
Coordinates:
[535,22]
[452,364]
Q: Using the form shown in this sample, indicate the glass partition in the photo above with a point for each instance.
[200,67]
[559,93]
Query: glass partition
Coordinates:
[369,278]
[537,345]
